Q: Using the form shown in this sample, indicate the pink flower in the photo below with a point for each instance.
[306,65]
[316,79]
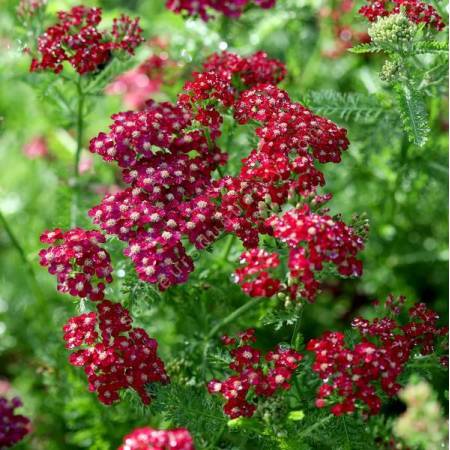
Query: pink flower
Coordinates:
[36,148]
[151,439]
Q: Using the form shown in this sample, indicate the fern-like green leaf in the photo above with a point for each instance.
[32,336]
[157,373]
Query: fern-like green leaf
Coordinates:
[413,113]
[347,106]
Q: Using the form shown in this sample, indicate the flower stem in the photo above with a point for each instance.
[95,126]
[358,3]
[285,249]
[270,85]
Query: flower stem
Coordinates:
[296,328]
[16,244]
[228,248]
[79,132]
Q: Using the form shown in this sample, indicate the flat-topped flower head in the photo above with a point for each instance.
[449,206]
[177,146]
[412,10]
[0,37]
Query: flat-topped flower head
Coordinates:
[75,38]
[81,266]
[13,427]
[114,354]
[150,439]
[201,8]
[255,376]
[416,11]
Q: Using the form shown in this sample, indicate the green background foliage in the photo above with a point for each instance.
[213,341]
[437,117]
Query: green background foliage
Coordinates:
[400,186]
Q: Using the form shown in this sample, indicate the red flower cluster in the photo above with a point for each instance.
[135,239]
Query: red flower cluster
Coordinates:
[76,39]
[150,439]
[80,265]
[351,375]
[313,240]
[114,355]
[13,427]
[168,154]
[169,169]
[255,377]
[415,10]
[231,8]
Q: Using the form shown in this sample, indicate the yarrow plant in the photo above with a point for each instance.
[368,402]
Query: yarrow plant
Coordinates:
[151,439]
[181,191]
[13,427]
[256,376]
[230,8]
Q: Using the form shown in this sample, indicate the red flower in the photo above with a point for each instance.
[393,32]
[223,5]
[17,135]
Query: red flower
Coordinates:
[249,383]
[13,427]
[76,39]
[80,265]
[115,355]
[150,439]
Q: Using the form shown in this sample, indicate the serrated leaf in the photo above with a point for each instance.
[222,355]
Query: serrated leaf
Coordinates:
[413,113]
[365,48]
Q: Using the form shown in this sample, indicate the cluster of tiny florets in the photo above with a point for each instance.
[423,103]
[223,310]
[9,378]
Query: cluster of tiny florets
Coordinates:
[150,439]
[168,154]
[256,376]
[313,240]
[230,8]
[80,265]
[392,31]
[76,39]
[416,11]
[13,427]
[354,376]
[114,354]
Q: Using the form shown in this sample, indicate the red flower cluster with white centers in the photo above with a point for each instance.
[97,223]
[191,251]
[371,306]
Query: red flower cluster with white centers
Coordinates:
[169,170]
[151,439]
[313,240]
[113,353]
[255,376]
[415,10]
[254,277]
[76,39]
[13,427]
[230,8]
[353,376]
[80,265]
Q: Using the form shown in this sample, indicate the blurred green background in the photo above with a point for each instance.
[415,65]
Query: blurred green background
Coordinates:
[402,189]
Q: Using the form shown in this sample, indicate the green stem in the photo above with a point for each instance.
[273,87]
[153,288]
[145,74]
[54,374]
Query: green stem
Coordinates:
[79,132]
[296,328]
[225,321]
[228,248]
[16,244]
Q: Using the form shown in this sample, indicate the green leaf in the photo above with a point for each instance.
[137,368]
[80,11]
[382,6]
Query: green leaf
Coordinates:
[365,48]
[413,113]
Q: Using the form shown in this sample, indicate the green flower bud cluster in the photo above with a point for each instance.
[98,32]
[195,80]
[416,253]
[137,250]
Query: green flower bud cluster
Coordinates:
[393,32]
[390,71]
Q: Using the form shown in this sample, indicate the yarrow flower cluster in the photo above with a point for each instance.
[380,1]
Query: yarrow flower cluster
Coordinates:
[168,154]
[76,39]
[313,240]
[150,439]
[113,353]
[80,265]
[255,376]
[13,427]
[416,11]
[353,375]
[230,8]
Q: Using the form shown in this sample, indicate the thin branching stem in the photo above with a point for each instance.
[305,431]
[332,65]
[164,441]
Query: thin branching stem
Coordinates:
[76,171]
[29,267]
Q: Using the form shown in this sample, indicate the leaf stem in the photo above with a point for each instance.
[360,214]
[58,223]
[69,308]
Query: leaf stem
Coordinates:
[296,328]
[314,426]
[79,132]
[16,244]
